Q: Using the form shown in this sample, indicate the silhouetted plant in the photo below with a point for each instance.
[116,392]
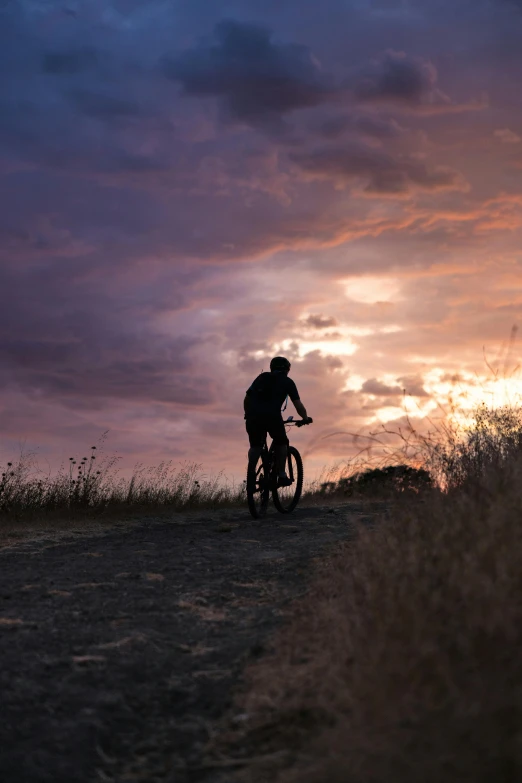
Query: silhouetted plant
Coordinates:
[79,488]
[375,482]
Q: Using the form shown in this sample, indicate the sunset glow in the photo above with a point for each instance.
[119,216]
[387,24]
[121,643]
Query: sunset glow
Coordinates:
[190,188]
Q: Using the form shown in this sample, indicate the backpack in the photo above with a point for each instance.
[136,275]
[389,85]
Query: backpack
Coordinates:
[263,387]
[266,392]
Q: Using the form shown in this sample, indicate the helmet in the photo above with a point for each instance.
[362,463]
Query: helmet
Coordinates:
[280,364]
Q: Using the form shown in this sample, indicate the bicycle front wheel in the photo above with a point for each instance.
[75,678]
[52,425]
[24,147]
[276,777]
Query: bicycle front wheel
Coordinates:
[287,498]
[258,487]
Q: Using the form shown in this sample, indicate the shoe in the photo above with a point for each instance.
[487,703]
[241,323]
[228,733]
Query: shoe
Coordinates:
[284,481]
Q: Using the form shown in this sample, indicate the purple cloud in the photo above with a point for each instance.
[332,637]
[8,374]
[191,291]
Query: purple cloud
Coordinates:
[365,125]
[379,389]
[90,346]
[256,79]
[397,78]
[411,385]
[320,321]
[70,61]
[383,173]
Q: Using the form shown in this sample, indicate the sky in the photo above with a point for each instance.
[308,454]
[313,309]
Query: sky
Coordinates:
[189,188]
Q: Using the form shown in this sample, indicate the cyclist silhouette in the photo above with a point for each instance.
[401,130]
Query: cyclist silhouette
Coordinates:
[263,402]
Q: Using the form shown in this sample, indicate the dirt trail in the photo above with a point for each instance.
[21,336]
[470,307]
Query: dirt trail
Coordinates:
[119,652]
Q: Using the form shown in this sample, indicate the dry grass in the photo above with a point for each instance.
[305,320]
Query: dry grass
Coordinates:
[402,664]
[448,452]
[92,487]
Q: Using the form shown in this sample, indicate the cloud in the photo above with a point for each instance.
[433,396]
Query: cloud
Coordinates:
[379,389]
[255,79]
[363,124]
[405,82]
[69,62]
[88,348]
[507,136]
[377,127]
[98,103]
[396,77]
[89,368]
[320,321]
[413,385]
[383,173]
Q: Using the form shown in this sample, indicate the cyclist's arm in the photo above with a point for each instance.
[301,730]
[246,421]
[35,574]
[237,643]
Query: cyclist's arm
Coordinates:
[300,408]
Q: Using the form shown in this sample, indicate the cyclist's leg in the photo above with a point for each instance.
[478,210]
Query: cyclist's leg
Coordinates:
[278,434]
[256,430]
[281,451]
[254,452]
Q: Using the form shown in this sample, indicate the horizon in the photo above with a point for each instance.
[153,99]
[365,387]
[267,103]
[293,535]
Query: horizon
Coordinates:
[188,191]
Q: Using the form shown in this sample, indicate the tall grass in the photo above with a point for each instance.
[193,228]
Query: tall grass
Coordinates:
[403,662]
[452,450]
[93,485]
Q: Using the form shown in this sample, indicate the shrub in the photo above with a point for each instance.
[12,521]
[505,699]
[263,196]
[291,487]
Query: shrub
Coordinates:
[379,482]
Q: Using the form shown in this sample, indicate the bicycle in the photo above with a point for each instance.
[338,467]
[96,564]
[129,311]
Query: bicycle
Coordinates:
[262,478]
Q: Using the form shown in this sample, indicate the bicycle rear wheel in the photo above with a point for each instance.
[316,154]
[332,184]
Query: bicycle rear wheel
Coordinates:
[258,487]
[287,498]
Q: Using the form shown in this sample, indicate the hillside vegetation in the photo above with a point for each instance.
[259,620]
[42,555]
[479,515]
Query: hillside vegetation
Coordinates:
[403,662]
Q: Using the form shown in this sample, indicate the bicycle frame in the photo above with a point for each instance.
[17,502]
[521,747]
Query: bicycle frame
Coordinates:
[271,451]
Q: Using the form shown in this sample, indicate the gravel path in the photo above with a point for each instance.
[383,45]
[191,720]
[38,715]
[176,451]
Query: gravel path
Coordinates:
[119,652]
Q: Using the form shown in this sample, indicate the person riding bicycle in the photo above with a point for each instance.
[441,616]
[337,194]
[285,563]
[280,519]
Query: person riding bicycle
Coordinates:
[263,402]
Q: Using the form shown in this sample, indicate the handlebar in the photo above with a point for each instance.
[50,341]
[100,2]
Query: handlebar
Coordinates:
[299,423]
